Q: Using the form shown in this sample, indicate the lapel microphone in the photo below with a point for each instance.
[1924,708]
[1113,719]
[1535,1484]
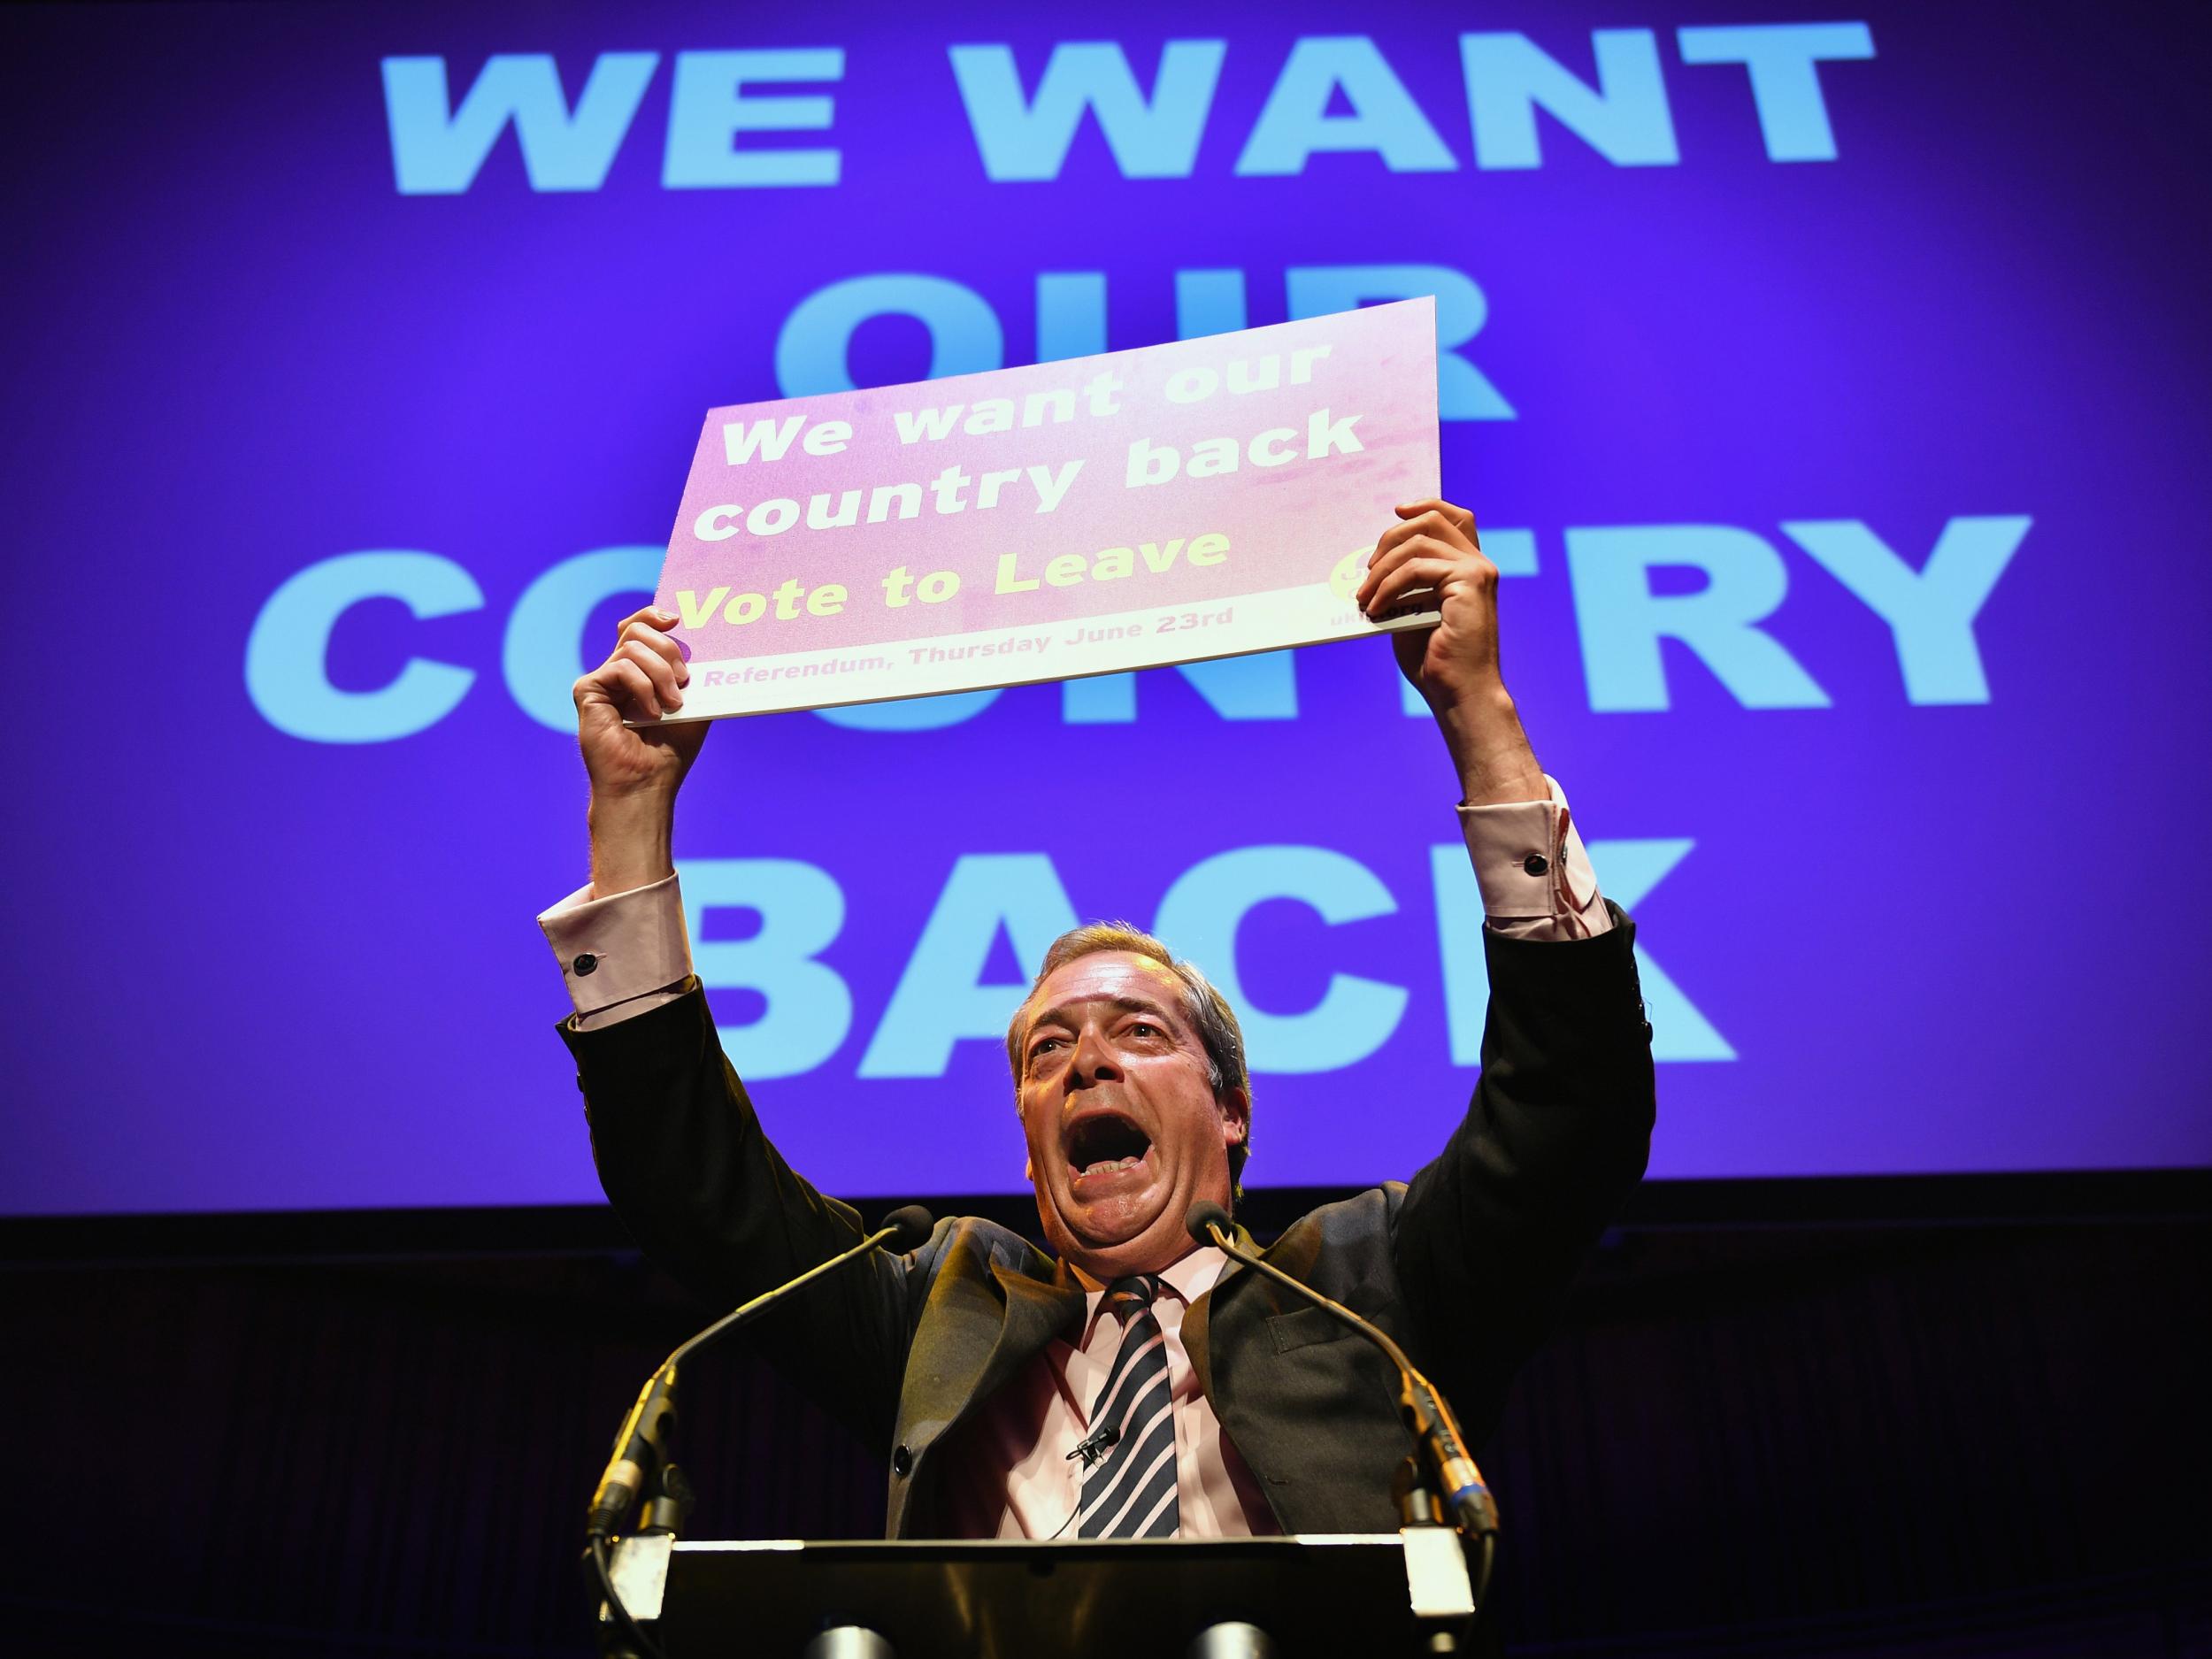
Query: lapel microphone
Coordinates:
[1090,1448]
[1427,1418]
[1096,1445]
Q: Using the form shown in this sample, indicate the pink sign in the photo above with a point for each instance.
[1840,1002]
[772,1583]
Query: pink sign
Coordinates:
[1205,498]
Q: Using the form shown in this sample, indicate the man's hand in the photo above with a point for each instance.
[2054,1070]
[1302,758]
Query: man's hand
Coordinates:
[635,772]
[1431,557]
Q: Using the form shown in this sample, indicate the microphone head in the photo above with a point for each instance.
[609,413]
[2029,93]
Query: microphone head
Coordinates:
[1203,1217]
[914,1225]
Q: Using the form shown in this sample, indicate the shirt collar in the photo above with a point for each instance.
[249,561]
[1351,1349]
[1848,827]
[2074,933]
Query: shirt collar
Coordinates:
[1186,1281]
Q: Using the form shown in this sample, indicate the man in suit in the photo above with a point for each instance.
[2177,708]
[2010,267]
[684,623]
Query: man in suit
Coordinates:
[1132,1384]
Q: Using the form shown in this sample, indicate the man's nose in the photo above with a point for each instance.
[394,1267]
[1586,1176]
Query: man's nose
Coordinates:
[1092,1060]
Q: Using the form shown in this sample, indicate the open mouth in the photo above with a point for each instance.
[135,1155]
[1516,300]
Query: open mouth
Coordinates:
[1104,1143]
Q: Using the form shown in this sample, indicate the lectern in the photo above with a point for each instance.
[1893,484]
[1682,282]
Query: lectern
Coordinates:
[1251,1598]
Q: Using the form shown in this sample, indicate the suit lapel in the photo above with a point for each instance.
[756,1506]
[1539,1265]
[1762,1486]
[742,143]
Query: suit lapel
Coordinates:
[985,1320]
[1035,1313]
[1198,1322]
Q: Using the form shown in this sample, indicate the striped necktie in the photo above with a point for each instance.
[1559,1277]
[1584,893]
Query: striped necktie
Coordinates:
[1130,1492]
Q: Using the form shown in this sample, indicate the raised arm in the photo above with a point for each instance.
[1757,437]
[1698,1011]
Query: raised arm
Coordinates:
[685,1163]
[1486,1237]
[678,1149]
[1432,556]
[635,772]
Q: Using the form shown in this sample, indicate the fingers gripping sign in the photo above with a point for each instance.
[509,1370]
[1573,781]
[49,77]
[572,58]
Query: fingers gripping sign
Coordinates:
[643,679]
[1431,559]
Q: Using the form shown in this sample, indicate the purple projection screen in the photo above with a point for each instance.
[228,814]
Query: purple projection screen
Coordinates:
[1829,385]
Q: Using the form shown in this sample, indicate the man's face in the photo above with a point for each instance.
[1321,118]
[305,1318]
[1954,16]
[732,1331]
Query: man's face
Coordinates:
[1123,1129]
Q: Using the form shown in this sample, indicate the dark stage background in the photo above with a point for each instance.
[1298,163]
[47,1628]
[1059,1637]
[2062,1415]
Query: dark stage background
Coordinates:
[1919,1418]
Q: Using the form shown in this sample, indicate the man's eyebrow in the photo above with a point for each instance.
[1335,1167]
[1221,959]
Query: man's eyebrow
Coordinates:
[1059,1012]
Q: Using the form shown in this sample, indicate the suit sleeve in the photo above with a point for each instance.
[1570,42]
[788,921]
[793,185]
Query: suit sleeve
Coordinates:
[683,1159]
[1487,1237]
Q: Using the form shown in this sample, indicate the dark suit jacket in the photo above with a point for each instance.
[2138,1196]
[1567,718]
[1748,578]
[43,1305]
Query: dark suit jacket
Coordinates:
[1463,1266]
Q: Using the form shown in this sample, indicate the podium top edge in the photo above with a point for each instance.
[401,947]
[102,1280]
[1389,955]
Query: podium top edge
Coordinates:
[942,1545]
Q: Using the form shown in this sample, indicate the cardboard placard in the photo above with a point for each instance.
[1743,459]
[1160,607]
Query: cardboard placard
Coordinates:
[1200,499]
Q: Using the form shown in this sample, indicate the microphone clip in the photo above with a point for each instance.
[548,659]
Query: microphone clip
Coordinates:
[1096,1445]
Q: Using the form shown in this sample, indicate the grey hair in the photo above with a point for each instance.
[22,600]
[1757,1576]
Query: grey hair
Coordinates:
[1205,1008]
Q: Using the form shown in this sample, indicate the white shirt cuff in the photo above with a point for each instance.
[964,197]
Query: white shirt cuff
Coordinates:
[1534,870]
[621,955]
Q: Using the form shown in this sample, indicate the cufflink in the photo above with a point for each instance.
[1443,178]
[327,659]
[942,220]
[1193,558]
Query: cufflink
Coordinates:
[1535,864]
[586,963]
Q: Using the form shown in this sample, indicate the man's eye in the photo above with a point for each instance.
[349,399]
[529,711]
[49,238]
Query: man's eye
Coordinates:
[1145,1028]
[1043,1044]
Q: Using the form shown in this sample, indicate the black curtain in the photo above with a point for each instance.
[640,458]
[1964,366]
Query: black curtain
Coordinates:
[1823,1439]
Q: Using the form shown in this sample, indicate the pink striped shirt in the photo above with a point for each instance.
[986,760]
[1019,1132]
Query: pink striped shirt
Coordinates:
[1008,1469]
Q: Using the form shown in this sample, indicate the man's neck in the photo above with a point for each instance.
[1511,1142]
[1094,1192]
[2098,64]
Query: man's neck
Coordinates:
[1091,1282]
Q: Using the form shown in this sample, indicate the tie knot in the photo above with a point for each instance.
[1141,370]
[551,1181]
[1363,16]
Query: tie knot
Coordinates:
[1127,1295]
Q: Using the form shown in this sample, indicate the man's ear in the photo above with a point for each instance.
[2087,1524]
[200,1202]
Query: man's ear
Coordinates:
[1236,1116]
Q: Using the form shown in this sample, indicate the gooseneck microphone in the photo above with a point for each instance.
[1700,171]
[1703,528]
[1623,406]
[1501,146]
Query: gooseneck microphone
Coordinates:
[641,1445]
[642,1442]
[1427,1418]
